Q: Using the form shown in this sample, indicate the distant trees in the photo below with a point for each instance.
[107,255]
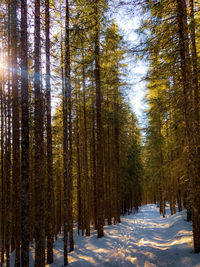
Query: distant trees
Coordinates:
[77,161]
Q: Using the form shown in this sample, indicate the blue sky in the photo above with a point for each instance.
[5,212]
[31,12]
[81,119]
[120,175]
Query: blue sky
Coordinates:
[128,23]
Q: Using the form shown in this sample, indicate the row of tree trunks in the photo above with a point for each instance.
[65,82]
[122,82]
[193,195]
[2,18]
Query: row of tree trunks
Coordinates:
[191,113]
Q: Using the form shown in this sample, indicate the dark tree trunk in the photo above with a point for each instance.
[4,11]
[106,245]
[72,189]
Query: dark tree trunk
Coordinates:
[50,217]
[192,134]
[25,139]
[179,196]
[100,184]
[194,67]
[15,130]
[94,173]
[39,149]
[2,172]
[79,200]
[8,156]
[85,149]
[117,162]
[161,179]
[67,145]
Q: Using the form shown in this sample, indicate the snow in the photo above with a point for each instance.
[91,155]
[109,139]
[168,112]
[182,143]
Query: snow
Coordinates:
[144,239]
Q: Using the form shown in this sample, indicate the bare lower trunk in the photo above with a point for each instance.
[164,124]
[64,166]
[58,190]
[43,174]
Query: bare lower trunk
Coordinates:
[25,139]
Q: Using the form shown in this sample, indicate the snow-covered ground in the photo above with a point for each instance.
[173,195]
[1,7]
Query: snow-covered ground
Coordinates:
[144,239]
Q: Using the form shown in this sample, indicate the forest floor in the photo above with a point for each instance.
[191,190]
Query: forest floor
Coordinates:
[144,239]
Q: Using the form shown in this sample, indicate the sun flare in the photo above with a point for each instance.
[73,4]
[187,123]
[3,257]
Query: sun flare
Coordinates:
[2,65]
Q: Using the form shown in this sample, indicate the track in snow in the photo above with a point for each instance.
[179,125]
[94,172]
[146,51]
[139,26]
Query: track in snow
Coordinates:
[142,239]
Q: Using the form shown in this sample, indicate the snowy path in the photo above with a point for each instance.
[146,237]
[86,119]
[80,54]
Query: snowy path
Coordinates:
[143,239]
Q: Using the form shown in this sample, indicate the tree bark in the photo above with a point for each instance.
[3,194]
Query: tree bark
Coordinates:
[50,217]
[25,139]
[2,172]
[39,148]
[15,130]
[100,185]
[192,135]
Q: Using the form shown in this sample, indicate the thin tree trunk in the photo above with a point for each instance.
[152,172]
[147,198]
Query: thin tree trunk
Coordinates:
[69,114]
[179,197]
[8,156]
[15,130]
[94,173]
[2,173]
[117,162]
[85,167]
[79,200]
[39,149]
[25,139]
[161,179]
[194,67]
[50,216]
[100,185]
[109,180]
[66,136]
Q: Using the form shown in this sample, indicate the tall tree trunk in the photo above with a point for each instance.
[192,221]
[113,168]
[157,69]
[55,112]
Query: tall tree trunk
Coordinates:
[94,171]
[194,67]
[39,149]
[161,179]
[117,162]
[85,167]
[100,184]
[192,135]
[15,130]
[8,155]
[179,196]
[59,189]
[66,124]
[79,200]
[109,179]
[70,163]
[7,182]
[50,216]
[25,139]
[196,97]
[2,172]
[69,113]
